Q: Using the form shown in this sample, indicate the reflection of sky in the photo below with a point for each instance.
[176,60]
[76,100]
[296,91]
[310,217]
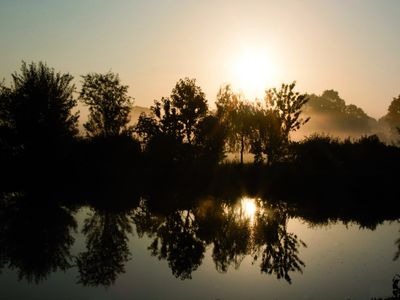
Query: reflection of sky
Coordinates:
[340,263]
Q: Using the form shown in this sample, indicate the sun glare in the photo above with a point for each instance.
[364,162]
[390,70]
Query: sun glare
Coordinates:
[248,207]
[253,73]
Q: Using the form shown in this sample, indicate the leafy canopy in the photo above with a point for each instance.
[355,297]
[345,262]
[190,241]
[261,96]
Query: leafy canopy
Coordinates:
[109,105]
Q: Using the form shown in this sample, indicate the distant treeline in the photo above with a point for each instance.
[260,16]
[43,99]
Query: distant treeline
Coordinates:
[330,114]
[40,141]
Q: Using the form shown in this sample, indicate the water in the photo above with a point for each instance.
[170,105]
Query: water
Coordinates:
[243,249]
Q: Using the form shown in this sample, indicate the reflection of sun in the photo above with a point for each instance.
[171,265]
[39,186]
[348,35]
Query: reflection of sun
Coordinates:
[248,207]
[253,73]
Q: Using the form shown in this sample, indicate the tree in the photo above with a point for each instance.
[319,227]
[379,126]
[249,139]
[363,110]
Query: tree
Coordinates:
[227,102]
[109,105]
[236,115]
[211,135]
[393,115]
[107,248]
[267,137]
[332,114]
[176,123]
[288,105]
[37,108]
[190,105]
[270,126]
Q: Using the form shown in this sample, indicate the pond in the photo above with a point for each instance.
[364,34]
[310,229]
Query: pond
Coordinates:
[246,248]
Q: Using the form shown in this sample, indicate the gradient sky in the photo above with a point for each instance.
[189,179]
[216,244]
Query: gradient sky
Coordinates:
[352,46]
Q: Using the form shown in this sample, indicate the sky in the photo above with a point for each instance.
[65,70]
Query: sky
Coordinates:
[352,46]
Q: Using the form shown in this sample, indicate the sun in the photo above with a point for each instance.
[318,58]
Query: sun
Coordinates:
[253,72]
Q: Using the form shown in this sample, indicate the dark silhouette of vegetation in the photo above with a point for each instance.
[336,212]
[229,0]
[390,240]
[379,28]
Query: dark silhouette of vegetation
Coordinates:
[279,248]
[261,129]
[107,168]
[40,105]
[180,128]
[35,237]
[395,289]
[180,236]
[392,118]
[109,105]
[172,183]
[106,248]
[176,242]
[236,116]
[275,122]
[37,124]
[289,106]
[182,222]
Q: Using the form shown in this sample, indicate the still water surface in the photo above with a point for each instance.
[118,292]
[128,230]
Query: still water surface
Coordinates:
[248,249]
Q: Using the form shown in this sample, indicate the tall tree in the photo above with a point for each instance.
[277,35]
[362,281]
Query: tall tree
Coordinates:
[109,105]
[236,115]
[393,115]
[191,106]
[38,106]
[267,135]
[288,105]
[177,122]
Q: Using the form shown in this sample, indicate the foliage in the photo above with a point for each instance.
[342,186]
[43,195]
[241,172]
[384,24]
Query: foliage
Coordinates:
[262,130]
[210,139]
[392,118]
[272,124]
[236,115]
[36,235]
[289,106]
[335,115]
[190,105]
[180,128]
[109,105]
[106,248]
[37,108]
[268,136]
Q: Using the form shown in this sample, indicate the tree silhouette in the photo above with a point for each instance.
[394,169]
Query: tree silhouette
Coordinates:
[279,248]
[176,241]
[289,106]
[210,141]
[231,240]
[191,106]
[267,136]
[179,129]
[6,120]
[37,125]
[37,108]
[35,235]
[236,115]
[107,249]
[109,105]
[393,115]
[163,121]
[178,115]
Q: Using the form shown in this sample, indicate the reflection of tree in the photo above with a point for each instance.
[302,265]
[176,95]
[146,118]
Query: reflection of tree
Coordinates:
[175,236]
[35,236]
[279,248]
[107,249]
[397,255]
[177,242]
[229,234]
[180,237]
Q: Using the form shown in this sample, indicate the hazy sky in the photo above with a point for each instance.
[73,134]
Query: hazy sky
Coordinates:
[350,46]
